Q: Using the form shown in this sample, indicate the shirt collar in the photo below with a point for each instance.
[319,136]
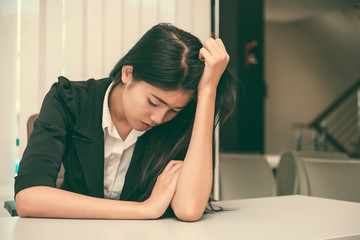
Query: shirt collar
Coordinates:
[106,118]
[108,125]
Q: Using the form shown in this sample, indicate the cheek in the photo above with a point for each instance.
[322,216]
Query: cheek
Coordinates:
[141,108]
[136,103]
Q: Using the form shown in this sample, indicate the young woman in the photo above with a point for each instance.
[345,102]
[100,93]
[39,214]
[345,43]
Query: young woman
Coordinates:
[136,145]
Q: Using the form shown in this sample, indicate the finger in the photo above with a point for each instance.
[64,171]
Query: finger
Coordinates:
[204,54]
[169,175]
[221,44]
[175,168]
[220,47]
[176,176]
[213,46]
[171,164]
[168,167]
[218,50]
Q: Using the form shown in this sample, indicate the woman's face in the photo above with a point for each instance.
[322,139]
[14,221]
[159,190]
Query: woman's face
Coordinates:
[141,106]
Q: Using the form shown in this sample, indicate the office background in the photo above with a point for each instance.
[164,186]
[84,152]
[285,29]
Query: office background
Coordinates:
[79,39]
[311,52]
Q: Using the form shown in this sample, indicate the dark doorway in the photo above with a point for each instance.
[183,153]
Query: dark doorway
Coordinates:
[241,28]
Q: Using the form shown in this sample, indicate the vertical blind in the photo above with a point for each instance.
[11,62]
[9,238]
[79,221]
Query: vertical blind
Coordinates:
[85,38]
[8,63]
[79,39]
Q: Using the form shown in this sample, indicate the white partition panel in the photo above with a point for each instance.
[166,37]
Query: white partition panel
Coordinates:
[149,11]
[131,23]
[42,53]
[201,22]
[194,16]
[183,18]
[167,11]
[94,38]
[54,55]
[113,34]
[29,66]
[8,62]
[73,39]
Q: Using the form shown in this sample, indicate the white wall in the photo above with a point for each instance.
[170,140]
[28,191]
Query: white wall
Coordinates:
[79,39]
[309,63]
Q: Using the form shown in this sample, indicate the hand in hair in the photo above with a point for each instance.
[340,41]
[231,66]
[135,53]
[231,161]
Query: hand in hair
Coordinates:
[164,189]
[216,59]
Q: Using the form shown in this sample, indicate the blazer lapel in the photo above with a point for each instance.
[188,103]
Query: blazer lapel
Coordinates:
[91,156]
[88,138]
[133,174]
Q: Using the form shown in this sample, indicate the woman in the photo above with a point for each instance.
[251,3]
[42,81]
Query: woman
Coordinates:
[136,145]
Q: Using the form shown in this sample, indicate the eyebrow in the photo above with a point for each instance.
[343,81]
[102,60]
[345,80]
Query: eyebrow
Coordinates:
[165,102]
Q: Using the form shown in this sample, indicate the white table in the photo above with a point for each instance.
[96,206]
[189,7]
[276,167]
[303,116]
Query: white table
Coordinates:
[287,217]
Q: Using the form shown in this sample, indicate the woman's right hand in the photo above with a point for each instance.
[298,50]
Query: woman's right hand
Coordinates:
[216,58]
[164,190]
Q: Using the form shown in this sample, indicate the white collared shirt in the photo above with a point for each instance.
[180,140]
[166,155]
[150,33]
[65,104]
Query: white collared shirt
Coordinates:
[117,153]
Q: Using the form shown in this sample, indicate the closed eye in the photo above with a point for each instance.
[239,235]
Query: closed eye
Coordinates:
[151,103]
[174,111]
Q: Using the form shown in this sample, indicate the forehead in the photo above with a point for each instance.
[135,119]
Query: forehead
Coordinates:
[174,98]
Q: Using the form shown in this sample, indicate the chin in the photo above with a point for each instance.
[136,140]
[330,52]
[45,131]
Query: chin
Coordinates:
[139,129]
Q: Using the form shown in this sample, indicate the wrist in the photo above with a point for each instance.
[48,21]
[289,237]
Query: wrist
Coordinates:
[207,94]
[148,211]
[145,210]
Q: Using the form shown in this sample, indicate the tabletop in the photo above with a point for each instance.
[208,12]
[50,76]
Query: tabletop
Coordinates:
[285,217]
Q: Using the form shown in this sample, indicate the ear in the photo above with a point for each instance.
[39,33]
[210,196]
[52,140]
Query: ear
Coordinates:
[126,74]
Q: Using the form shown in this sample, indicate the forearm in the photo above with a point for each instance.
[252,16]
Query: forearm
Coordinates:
[195,180]
[41,201]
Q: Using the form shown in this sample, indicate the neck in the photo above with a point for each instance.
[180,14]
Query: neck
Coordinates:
[117,113]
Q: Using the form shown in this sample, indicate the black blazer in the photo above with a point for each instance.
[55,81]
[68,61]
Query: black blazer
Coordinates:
[69,130]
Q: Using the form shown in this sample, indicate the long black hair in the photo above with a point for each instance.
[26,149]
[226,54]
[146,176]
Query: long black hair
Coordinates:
[168,58]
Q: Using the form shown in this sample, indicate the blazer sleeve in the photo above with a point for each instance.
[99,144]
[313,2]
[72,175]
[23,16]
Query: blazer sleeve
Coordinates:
[46,146]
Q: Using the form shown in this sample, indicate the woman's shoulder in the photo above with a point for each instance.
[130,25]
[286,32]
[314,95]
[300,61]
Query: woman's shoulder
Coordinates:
[76,90]
[75,96]
[64,84]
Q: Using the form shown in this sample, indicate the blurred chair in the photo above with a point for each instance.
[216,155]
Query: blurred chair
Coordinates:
[335,179]
[286,174]
[10,205]
[291,178]
[30,124]
[245,176]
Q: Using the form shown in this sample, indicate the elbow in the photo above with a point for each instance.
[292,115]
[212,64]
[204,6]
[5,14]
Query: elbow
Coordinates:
[189,214]
[20,206]
[23,206]
[21,213]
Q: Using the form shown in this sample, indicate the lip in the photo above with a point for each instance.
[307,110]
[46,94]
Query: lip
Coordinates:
[146,125]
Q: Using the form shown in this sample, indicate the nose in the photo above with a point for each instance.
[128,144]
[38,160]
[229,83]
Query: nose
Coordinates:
[157,116]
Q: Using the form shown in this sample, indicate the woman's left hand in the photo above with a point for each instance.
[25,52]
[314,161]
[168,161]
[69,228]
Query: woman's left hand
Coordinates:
[214,54]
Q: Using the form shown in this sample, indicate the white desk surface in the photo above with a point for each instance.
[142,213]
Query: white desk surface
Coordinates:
[286,217]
